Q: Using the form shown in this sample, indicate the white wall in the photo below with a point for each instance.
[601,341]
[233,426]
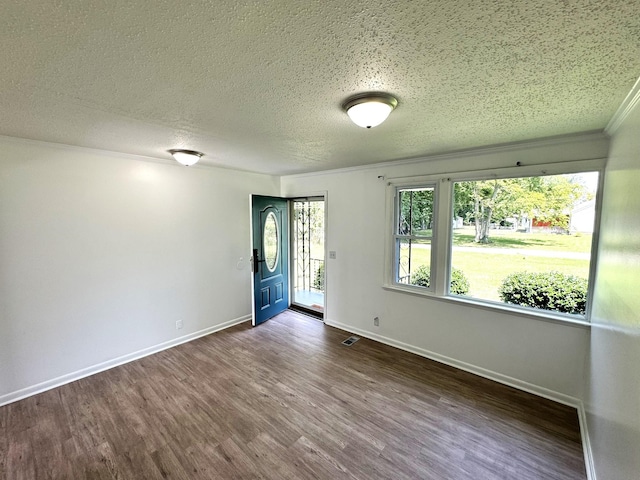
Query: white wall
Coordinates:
[101,253]
[538,355]
[613,400]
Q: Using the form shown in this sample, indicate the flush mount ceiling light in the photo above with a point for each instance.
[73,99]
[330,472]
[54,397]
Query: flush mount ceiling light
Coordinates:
[186,157]
[369,109]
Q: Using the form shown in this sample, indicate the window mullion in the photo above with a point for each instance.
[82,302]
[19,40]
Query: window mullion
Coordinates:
[533,199]
[441,249]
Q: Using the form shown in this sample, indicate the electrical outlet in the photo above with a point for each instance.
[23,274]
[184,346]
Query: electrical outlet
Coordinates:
[376,321]
[178,324]
[332,254]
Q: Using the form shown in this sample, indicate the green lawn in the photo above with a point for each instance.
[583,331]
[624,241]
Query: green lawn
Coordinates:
[537,241]
[486,270]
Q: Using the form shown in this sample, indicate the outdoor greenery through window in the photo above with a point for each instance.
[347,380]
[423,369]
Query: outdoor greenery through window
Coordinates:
[413,234]
[307,253]
[526,241]
[521,241]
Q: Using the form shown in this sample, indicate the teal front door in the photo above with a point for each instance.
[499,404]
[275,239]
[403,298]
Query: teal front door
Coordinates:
[270,259]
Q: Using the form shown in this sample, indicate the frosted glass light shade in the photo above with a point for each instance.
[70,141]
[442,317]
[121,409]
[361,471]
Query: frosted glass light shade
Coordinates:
[186,157]
[370,110]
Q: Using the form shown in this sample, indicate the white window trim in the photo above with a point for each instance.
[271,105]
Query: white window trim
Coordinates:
[441,244]
[434,233]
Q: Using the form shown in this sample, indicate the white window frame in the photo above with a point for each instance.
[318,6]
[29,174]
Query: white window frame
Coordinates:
[441,244]
[397,237]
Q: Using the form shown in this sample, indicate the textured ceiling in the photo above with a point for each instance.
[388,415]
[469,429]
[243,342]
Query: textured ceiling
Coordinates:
[258,85]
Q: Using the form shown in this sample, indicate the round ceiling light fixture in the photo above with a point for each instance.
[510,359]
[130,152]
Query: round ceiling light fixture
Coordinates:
[186,157]
[369,109]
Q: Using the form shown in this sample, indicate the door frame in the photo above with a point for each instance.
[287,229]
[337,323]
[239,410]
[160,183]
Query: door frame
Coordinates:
[289,198]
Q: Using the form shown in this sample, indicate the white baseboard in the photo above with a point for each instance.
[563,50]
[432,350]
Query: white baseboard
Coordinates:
[467,367]
[586,443]
[101,367]
[491,375]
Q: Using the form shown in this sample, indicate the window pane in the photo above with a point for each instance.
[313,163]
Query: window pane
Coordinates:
[525,241]
[415,212]
[270,241]
[414,259]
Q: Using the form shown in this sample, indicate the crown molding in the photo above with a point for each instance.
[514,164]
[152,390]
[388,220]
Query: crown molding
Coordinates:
[88,150]
[122,155]
[463,153]
[627,106]
[470,152]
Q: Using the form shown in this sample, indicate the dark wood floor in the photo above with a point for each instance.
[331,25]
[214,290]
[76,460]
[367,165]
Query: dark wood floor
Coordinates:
[287,401]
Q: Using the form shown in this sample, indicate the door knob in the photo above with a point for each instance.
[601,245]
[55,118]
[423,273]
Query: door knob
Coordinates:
[255,261]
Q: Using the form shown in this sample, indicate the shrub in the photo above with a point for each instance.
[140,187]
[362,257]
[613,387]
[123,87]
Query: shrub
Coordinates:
[318,280]
[421,276]
[459,283]
[553,291]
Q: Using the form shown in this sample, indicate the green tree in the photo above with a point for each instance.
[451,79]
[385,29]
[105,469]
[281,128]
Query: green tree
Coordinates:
[416,211]
[547,198]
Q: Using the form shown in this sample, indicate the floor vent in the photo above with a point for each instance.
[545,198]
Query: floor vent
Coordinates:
[351,340]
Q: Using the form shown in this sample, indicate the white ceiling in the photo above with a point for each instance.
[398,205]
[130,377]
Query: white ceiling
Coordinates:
[258,85]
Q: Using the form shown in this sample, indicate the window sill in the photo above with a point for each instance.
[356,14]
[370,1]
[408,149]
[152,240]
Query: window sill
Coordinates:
[524,312]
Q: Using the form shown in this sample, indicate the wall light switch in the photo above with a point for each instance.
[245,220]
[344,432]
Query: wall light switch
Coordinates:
[332,254]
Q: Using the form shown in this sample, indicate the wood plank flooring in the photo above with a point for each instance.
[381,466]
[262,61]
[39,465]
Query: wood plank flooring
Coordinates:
[286,400]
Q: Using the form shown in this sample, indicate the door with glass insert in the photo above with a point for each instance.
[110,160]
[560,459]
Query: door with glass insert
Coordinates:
[269,224]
